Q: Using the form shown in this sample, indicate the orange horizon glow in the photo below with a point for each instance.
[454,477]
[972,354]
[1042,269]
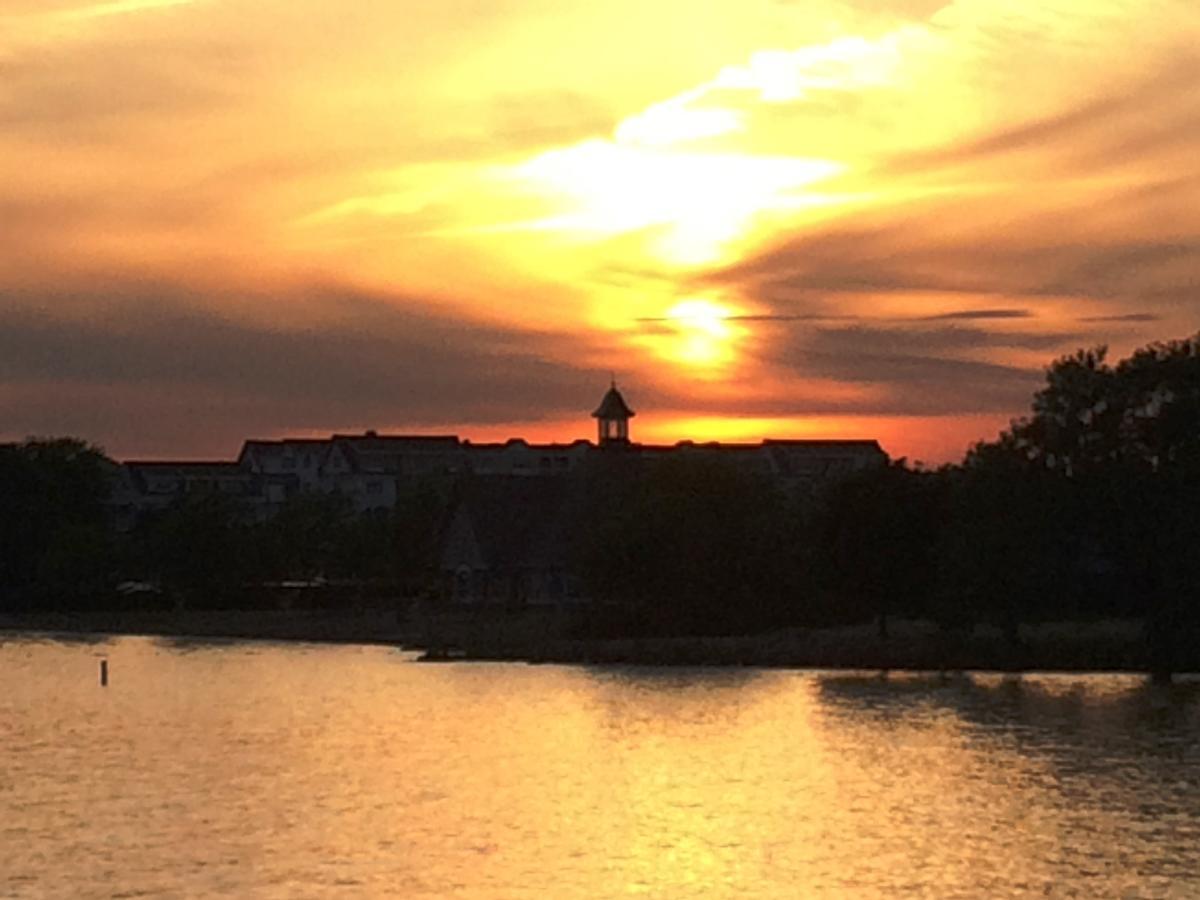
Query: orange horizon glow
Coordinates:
[949,445]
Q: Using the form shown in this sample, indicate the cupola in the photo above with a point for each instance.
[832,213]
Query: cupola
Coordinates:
[613,415]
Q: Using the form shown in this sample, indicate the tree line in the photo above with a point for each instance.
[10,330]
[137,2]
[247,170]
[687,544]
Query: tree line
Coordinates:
[59,549]
[1086,508]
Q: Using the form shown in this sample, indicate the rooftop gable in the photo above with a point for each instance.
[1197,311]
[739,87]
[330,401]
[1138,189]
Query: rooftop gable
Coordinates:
[517,522]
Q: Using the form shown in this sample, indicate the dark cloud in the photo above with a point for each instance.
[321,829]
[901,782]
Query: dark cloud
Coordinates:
[922,384]
[883,257]
[1125,121]
[953,315]
[948,385]
[1035,136]
[1131,268]
[917,369]
[365,361]
[972,314]
[936,340]
[1125,317]
[993,257]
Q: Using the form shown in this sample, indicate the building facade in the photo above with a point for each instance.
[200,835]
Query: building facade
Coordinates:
[375,471]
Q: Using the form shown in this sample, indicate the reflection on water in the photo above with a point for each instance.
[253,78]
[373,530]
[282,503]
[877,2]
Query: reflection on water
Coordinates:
[273,770]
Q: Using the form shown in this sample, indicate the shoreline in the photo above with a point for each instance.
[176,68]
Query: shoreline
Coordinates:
[371,627]
[1113,647]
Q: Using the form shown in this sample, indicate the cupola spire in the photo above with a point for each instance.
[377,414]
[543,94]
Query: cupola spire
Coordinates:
[613,415]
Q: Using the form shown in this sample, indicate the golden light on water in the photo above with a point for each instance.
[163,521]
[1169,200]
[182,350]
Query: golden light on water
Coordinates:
[252,769]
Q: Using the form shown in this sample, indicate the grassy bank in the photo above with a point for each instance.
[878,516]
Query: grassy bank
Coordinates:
[365,626]
[1066,646]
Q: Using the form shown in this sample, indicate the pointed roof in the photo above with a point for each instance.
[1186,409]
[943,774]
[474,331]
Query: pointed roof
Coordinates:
[516,521]
[613,406]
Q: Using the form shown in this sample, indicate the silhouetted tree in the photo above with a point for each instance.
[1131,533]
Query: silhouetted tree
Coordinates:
[302,540]
[55,544]
[397,545]
[689,544]
[1123,442]
[415,523]
[1011,543]
[875,538]
[198,548]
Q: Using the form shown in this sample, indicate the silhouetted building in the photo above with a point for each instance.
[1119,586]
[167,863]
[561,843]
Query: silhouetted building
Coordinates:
[369,469]
[376,471]
[613,415]
[141,487]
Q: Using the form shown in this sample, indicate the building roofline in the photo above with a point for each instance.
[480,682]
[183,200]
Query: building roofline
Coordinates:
[468,444]
[182,463]
[820,442]
[285,440]
[866,443]
[407,438]
[251,443]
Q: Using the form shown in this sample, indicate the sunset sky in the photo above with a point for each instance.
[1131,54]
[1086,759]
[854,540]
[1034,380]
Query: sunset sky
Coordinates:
[231,218]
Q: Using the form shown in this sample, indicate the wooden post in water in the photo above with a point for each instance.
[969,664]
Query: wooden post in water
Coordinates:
[104,673]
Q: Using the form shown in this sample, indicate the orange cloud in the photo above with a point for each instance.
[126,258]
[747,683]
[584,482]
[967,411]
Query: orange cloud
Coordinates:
[830,215]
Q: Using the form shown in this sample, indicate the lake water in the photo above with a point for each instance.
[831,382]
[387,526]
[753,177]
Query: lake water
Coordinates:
[265,770]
